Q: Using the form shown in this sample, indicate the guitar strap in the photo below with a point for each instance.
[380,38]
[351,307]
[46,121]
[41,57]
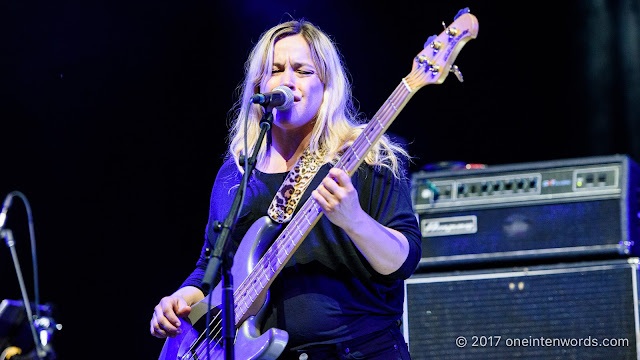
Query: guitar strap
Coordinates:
[288,196]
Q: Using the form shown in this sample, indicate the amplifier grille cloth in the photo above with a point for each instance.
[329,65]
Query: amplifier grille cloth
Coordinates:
[598,303]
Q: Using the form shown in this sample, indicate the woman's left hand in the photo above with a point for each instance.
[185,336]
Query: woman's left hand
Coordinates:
[338,199]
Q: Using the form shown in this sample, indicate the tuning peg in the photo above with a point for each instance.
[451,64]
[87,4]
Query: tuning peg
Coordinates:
[456,71]
[422,60]
[428,64]
[451,31]
[461,12]
[430,40]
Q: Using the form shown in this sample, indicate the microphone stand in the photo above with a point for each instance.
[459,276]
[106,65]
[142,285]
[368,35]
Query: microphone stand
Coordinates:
[39,351]
[8,238]
[221,254]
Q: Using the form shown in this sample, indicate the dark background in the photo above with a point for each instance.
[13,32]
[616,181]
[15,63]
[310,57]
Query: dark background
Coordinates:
[113,122]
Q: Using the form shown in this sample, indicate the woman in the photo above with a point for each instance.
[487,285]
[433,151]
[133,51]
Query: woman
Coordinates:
[341,294]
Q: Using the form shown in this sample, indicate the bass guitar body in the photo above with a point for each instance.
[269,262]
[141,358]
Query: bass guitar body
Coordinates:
[249,343]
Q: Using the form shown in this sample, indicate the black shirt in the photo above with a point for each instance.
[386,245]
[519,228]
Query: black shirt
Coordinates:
[327,292]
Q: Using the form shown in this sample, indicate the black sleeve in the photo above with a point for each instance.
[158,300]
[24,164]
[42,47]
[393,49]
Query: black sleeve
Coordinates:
[220,201]
[387,199]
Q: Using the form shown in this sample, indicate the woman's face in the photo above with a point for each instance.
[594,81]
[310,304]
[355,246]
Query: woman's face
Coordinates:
[294,68]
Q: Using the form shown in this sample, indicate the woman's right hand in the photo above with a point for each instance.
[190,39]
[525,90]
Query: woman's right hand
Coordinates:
[167,314]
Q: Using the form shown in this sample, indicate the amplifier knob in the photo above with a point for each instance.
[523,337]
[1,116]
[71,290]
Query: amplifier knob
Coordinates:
[497,186]
[508,185]
[486,186]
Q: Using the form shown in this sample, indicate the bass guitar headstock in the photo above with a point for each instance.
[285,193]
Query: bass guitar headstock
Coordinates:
[433,64]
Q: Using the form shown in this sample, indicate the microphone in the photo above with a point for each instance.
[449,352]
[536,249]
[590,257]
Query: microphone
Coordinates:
[281,98]
[5,208]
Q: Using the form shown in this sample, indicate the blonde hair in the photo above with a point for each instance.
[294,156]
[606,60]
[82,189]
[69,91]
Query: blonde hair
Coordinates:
[337,123]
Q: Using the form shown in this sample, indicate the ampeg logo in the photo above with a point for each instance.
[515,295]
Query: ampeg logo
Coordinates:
[455,225]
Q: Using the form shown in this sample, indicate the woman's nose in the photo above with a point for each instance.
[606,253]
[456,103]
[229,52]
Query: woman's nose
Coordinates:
[288,79]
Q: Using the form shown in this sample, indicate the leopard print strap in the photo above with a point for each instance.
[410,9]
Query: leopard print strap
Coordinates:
[287,197]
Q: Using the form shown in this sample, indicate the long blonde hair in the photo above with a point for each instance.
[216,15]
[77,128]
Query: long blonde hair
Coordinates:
[337,122]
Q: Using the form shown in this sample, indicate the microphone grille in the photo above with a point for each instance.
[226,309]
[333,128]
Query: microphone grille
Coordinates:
[288,94]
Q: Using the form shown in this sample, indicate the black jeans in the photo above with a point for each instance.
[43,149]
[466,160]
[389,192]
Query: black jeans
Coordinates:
[387,344]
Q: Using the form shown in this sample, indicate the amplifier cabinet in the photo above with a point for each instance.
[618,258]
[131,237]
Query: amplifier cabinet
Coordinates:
[582,310]
[554,209]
